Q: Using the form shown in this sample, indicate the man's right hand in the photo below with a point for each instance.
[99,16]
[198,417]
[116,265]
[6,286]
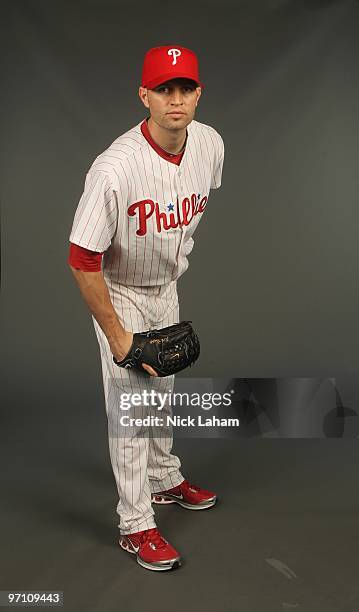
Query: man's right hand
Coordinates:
[122,347]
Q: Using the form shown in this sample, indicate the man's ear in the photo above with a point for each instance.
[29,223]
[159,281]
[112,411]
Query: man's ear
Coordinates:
[143,94]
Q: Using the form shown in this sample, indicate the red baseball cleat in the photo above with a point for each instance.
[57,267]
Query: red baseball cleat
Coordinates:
[152,550]
[187,495]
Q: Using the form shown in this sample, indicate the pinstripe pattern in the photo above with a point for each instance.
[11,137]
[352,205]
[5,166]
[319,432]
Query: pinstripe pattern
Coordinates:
[141,462]
[143,258]
[131,171]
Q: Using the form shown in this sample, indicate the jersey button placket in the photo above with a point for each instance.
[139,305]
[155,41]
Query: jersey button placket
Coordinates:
[179,192]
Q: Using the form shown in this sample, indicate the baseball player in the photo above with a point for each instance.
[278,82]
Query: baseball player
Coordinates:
[131,236]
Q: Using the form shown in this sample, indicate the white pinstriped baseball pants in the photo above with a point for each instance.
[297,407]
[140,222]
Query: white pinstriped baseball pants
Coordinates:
[141,459]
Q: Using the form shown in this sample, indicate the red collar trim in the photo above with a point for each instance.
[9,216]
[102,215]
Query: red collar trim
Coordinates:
[175,159]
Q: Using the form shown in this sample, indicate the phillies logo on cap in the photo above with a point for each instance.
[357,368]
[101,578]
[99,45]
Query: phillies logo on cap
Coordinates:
[176,53]
[158,69]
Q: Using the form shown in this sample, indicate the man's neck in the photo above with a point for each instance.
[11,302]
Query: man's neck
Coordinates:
[171,141]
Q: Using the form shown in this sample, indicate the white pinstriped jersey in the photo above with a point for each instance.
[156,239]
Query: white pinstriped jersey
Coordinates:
[142,210]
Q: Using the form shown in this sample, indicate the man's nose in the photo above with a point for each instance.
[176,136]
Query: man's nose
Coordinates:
[176,97]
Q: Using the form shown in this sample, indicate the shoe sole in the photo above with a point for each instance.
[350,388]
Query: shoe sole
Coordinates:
[160,567]
[169,499]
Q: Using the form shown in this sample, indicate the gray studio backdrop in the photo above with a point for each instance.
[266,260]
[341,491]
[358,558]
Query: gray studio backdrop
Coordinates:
[272,286]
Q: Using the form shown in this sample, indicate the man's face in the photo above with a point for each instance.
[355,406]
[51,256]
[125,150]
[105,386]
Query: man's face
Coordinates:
[173,103]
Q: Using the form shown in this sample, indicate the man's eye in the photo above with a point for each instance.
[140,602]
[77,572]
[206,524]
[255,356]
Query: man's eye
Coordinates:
[186,88]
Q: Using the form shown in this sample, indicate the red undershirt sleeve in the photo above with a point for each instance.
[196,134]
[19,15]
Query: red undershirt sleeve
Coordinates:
[84,259]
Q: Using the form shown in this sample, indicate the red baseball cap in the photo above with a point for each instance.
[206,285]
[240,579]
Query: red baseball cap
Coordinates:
[169,62]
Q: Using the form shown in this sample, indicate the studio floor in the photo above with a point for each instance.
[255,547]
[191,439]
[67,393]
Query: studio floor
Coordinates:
[283,535]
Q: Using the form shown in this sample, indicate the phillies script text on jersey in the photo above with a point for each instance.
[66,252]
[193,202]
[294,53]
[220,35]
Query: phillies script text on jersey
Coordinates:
[185,212]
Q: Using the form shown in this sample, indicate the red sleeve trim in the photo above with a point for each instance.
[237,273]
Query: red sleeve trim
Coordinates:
[83,259]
